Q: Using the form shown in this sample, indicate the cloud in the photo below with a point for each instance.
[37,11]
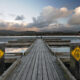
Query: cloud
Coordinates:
[1,14]
[47,21]
[48,16]
[75,19]
[16,26]
[62,28]
[3,24]
[21,17]
[51,13]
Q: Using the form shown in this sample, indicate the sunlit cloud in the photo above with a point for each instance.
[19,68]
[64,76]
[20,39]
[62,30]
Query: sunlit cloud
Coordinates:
[75,18]
[50,15]
[16,26]
[77,11]
[48,20]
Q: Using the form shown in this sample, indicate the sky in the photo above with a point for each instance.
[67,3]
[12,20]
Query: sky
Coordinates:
[40,15]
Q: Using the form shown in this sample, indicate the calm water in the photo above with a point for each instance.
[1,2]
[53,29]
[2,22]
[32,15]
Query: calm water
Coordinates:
[15,50]
[55,49]
[61,49]
[12,38]
[8,38]
[74,39]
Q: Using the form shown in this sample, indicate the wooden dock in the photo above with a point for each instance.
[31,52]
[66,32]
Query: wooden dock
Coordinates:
[17,45]
[38,64]
[53,42]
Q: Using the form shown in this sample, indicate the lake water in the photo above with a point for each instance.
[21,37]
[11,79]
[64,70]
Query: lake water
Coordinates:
[15,50]
[56,49]
[61,49]
[5,39]
[8,38]
[74,39]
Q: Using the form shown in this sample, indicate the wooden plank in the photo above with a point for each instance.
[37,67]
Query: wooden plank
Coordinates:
[28,67]
[34,75]
[30,72]
[57,68]
[50,76]
[40,67]
[45,77]
[39,64]
[19,69]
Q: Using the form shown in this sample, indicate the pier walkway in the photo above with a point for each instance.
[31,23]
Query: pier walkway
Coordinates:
[39,64]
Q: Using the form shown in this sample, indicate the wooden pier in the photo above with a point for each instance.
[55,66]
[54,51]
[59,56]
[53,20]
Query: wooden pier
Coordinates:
[17,45]
[20,43]
[54,42]
[38,64]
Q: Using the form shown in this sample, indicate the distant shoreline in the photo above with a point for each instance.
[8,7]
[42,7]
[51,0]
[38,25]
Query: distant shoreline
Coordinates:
[44,36]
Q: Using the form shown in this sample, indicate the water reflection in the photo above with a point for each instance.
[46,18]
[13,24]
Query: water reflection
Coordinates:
[61,49]
[55,49]
[15,50]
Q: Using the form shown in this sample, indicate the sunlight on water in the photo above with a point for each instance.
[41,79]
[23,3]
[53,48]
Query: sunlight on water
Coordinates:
[15,50]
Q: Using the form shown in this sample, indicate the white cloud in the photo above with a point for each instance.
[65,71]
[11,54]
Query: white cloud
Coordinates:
[55,13]
[49,15]
[77,11]
[75,19]
[48,20]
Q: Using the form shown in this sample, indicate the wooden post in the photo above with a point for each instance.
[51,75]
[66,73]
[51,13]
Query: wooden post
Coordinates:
[2,51]
[75,59]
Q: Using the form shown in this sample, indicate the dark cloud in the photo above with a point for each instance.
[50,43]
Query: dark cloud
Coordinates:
[20,17]
[3,24]
[74,20]
[40,23]
[16,26]
[62,27]
[52,27]
[48,16]
[48,21]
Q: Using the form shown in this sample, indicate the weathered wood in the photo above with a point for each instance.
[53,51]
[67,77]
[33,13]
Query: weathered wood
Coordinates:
[12,67]
[69,76]
[39,64]
[56,40]
[40,68]
[58,44]
[17,45]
